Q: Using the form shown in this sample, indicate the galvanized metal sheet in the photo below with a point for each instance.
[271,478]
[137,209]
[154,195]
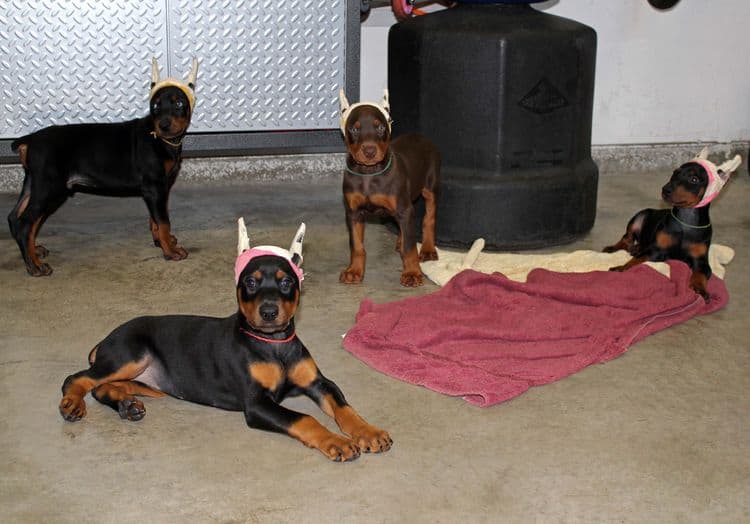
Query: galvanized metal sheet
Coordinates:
[265,64]
[76,61]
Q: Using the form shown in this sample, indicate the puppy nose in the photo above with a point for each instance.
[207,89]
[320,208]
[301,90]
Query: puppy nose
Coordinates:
[369,150]
[269,311]
[164,124]
[666,190]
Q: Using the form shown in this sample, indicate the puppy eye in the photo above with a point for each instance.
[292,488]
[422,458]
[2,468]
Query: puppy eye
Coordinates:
[251,284]
[381,130]
[156,109]
[354,131]
[285,286]
[179,104]
[694,180]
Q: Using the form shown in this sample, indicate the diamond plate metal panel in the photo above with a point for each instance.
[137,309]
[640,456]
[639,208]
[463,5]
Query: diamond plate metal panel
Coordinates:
[265,64]
[76,61]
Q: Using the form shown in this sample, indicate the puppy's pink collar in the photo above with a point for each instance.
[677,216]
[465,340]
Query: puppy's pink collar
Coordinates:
[246,256]
[270,340]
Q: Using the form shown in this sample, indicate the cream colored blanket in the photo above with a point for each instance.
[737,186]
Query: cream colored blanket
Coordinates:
[517,266]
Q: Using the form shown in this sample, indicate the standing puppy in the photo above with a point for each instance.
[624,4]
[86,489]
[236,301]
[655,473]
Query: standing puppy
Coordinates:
[136,158]
[386,178]
[683,232]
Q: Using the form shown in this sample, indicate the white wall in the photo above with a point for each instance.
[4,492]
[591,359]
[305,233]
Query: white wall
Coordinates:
[681,75]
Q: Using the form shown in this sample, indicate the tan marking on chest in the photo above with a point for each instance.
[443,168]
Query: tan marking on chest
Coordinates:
[267,374]
[664,240]
[304,373]
[697,250]
[354,200]
[385,201]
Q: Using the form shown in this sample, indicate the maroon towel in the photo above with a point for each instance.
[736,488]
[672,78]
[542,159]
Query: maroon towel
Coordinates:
[488,339]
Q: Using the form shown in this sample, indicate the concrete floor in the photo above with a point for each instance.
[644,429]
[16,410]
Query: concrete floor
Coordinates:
[661,434]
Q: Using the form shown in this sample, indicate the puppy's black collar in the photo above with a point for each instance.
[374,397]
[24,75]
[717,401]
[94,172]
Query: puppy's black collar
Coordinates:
[689,225]
[168,142]
[386,168]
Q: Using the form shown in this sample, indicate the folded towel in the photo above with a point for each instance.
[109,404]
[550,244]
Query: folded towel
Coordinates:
[517,266]
[488,338]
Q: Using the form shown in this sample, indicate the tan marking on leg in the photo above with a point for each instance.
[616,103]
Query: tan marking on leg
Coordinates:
[267,374]
[154,228]
[314,435]
[630,263]
[698,282]
[134,388]
[412,273]
[22,205]
[31,247]
[304,373]
[624,243]
[356,270]
[366,436]
[428,251]
[72,405]
[122,390]
[168,243]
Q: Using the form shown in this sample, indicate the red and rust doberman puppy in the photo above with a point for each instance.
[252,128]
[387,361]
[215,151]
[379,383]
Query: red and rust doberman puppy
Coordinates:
[385,178]
[247,362]
[684,231]
[136,158]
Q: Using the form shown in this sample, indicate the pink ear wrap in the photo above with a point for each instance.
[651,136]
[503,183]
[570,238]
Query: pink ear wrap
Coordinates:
[715,182]
[246,256]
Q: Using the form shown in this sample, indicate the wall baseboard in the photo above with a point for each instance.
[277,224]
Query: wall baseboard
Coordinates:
[660,158]
[611,159]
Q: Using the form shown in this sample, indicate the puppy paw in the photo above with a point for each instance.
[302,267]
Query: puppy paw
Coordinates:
[172,241]
[610,249]
[131,409]
[175,253]
[72,408]
[702,292]
[410,279]
[619,269]
[42,270]
[428,255]
[351,276]
[338,448]
[371,439]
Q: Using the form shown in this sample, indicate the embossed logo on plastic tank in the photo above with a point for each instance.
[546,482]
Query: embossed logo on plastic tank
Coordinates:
[543,98]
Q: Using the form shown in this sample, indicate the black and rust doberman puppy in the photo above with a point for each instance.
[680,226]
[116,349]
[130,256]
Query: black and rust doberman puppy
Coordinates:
[136,158]
[247,362]
[385,178]
[684,231]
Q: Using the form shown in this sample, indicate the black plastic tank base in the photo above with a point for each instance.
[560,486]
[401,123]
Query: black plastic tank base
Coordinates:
[506,93]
